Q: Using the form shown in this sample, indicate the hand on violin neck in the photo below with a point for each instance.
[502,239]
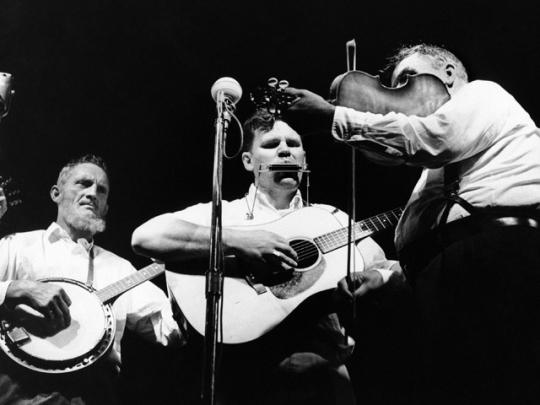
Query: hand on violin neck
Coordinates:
[308,113]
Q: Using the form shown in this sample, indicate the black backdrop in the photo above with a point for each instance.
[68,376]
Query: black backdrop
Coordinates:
[130,81]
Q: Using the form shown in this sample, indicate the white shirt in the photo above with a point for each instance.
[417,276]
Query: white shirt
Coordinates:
[43,254]
[482,127]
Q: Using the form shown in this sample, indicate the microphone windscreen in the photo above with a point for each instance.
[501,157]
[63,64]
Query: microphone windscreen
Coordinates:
[229,86]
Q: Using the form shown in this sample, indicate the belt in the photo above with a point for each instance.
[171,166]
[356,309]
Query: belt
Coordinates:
[419,253]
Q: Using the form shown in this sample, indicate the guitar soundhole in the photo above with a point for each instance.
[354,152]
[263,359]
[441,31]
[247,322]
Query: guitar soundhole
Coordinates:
[309,270]
[307,251]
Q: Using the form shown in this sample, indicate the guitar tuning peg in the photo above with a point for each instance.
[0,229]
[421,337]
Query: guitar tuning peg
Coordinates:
[283,84]
[272,82]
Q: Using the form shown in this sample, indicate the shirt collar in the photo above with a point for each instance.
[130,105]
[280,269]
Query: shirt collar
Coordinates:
[296,202]
[55,233]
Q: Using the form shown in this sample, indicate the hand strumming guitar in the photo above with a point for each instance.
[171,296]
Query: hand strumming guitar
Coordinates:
[267,253]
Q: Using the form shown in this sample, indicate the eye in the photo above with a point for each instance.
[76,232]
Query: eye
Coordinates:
[270,144]
[293,143]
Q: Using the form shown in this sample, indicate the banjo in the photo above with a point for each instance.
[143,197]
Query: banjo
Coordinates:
[88,338]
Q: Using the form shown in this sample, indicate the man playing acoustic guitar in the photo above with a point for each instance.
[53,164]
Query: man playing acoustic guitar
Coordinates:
[66,251]
[301,361]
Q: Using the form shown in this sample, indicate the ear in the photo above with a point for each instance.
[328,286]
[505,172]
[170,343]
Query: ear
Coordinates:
[450,75]
[55,193]
[246,159]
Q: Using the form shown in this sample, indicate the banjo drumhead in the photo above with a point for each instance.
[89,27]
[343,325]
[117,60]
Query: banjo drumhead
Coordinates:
[89,336]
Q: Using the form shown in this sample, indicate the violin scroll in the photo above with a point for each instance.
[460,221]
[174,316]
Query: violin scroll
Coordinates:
[272,97]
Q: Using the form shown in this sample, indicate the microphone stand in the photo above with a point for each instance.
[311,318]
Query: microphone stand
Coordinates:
[214,275]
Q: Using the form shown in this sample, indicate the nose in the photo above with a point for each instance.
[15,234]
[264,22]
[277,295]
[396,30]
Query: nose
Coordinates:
[284,150]
[91,192]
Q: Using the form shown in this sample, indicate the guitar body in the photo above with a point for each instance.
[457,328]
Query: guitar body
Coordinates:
[86,340]
[247,315]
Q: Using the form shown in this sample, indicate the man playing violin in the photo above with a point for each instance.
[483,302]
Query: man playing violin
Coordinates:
[469,236]
[301,361]
[66,250]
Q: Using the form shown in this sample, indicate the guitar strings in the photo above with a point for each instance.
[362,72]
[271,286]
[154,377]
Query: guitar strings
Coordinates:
[306,249]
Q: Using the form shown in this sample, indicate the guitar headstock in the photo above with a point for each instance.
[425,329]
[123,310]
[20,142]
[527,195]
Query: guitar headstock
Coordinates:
[272,97]
[11,192]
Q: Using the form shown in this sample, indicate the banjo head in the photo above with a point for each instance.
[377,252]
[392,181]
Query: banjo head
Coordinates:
[86,340]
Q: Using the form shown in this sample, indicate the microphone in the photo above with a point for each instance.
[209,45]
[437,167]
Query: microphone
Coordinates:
[5,93]
[231,89]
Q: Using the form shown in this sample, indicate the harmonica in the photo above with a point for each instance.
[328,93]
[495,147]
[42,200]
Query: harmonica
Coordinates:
[284,167]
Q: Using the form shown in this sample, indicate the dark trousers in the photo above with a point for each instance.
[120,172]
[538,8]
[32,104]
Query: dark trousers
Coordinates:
[478,301]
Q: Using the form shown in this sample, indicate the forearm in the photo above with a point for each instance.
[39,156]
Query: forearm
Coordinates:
[170,239]
[167,238]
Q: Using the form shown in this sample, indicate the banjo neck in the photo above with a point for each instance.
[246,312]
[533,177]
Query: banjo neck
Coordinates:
[115,289]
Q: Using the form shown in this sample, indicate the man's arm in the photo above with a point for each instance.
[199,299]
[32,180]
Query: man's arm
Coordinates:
[49,300]
[170,239]
[309,113]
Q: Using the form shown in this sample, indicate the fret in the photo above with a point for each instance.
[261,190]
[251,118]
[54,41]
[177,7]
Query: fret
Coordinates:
[362,229]
[129,282]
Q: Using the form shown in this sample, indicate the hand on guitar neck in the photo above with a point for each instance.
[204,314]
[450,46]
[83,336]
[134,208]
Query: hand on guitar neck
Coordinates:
[3,203]
[9,196]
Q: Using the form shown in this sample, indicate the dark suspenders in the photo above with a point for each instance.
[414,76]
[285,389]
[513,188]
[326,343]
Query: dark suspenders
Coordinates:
[451,190]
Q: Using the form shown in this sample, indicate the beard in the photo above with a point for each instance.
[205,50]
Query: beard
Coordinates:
[85,221]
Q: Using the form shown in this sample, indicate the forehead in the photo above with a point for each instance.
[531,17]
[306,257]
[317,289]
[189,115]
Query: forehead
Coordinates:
[90,171]
[280,129]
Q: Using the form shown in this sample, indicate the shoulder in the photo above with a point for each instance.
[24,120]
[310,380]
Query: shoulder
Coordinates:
[482,88]
[201,213]
[113,260]
[23,238]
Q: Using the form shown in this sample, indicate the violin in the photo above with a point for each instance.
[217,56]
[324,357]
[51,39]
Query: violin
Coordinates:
[421,95]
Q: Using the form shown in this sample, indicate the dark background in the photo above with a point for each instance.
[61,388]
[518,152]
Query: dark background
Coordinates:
[130,81]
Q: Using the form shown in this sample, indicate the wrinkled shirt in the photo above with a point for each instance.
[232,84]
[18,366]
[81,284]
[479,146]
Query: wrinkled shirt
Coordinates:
[483,129]
[51,253]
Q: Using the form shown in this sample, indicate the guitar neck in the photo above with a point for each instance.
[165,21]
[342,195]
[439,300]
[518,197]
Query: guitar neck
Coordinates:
[129,282]
[361,230]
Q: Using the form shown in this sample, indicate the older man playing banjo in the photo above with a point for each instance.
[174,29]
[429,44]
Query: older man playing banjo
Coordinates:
[66,253]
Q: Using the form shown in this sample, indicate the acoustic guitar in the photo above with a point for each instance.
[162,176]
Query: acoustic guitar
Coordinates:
[250,311]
